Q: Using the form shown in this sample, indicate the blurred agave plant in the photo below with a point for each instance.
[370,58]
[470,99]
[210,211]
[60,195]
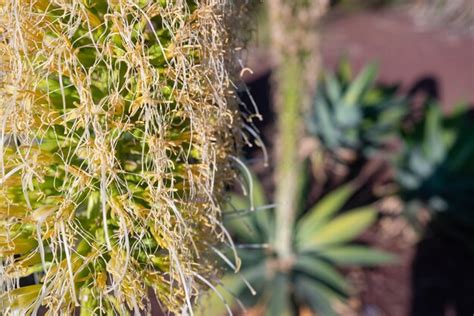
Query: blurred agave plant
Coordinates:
[321,242]
[352,117]
[116,136]
[436,167]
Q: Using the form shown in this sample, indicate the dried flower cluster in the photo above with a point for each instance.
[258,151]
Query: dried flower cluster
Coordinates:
[116,135]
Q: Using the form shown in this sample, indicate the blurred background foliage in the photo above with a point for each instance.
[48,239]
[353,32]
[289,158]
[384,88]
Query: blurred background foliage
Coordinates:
[353,118]
[356,122]
[323,242]
[435,168]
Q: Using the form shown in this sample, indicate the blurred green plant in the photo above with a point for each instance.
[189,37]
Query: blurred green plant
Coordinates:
[352,117]
[436,166]
[321,241]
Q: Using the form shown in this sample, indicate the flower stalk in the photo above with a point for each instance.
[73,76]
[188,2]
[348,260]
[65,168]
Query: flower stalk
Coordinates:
[295,44]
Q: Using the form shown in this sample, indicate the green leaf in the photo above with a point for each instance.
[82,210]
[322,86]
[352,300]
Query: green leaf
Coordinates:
[392,116]
[279,303]
[233,284]
[262,217]
[322,271]
[460,156]
[348,117]
[261,220]
[332,87]
[256,275]
[28,264]
[433,146]
[342,229]
[357,256]
[243,227]
[317,296]
[303,186]
[344,70]
[327,126]
[20,300]
[87,56]
[245,231]
[252,226]
[251,257]
[361,83]
[258,192]
[88,301]
[17,246]
[323,211]
[12,211]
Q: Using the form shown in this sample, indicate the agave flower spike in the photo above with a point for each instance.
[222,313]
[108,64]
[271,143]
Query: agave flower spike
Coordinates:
[117,128]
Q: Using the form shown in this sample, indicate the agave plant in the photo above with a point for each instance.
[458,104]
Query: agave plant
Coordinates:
[353,115]
[116,136]
[436,167]
[321,243]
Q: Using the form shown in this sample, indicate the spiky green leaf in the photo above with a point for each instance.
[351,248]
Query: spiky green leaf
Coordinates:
[357,255]
[361,83]
[342,229]
[279,303]
[323,211]
[322,271]
[319,298]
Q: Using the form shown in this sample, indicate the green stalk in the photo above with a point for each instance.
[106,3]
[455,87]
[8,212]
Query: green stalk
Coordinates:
[295,44]
[288,164]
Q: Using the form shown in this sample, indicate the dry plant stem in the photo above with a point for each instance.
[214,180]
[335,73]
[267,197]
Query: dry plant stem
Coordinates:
[295,44]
